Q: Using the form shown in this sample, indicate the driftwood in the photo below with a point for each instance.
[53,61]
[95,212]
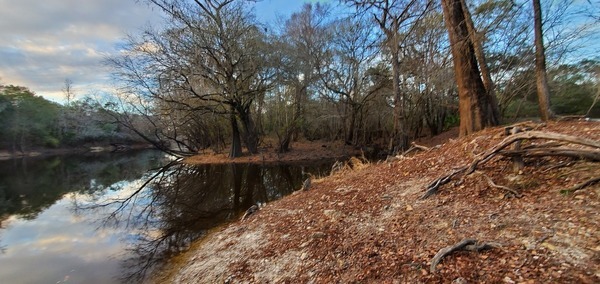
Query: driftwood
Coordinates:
[530,151]
[464,245]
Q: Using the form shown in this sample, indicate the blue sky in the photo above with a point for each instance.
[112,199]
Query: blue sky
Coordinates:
[42,43]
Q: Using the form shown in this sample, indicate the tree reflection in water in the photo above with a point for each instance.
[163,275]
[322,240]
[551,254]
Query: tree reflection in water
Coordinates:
[180,203]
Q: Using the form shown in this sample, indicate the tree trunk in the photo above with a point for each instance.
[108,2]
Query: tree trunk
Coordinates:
[350,135]
[399,140]
[284,143]
[543,90]
[474,104]
[488,83]
[250,132]
[236,143]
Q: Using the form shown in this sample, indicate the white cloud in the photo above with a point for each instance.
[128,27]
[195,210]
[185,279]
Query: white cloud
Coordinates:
[44,42]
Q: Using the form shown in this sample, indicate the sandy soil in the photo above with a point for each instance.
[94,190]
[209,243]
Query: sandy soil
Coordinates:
[369,225]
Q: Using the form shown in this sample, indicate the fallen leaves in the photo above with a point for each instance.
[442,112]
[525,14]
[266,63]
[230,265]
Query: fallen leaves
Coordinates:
[369,225]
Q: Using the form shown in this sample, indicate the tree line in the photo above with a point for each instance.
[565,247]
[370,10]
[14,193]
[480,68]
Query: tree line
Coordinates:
[30,122]
[365,72]
[384,71]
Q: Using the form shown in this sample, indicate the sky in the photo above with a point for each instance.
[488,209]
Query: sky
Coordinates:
[43,43]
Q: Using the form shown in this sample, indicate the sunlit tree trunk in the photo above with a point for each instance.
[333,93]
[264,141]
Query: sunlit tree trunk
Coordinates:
[543,91]
[474,104]
[488,83]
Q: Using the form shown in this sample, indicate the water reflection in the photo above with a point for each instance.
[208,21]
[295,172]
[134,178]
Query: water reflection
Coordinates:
[183,202]
[108,218]
[28,186]
[43,239]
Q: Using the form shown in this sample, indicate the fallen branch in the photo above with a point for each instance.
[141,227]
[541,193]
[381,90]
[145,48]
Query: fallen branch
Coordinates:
[420,147]
[570,117]
[465,245]
[583,185]
[414,146]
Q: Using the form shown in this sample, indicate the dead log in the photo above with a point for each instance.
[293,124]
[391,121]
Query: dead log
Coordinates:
[465,245]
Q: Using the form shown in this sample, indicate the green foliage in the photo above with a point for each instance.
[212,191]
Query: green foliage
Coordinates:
[51,142]
[30,122]
[572,90]
[451,120]
[574,86]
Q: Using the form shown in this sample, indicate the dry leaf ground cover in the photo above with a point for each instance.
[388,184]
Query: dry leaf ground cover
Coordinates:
[301,151]
[369,225]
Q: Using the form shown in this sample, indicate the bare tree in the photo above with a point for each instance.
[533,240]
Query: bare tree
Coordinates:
[346,73]
[395,19]
[301,50]
[428,76]
[68,91]
[211,60]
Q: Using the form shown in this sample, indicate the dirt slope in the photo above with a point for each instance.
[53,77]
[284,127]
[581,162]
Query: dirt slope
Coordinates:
[369,225]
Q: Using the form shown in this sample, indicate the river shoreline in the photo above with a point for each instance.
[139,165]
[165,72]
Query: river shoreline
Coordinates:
[45,152]
[301,152]
[370,224]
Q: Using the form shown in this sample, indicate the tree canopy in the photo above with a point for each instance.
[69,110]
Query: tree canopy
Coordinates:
[371,72]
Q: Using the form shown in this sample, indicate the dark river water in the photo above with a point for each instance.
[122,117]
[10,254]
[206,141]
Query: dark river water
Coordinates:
[113,217]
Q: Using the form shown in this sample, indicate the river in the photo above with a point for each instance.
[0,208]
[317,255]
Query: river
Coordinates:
[113,217]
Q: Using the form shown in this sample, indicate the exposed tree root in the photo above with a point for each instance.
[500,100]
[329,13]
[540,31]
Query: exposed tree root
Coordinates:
[583,184]
[466,245]
[558,166]
[492,184]
[529,151]
[435,185]
[592,155]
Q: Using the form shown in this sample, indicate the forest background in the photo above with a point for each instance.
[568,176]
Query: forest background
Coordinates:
[366,72]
